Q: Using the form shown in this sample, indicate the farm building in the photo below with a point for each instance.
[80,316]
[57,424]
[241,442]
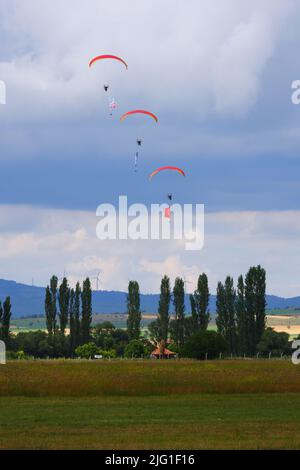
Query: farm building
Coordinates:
[165,353]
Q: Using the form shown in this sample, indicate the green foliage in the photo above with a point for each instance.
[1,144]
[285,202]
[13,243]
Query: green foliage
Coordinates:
[179,308]
[276,343]
[5,317]
[241,318]
[86,318]
[106,337]
[74,315]
[105,327]
[194,315]
[48,311]
[108,353]
[20,355]
[154,329]
[133,311]
[63,301]
[135,349]
[163,309]
[189,327]
[34,343]
[200,303]
[226,321]
[255,306]
[203,342]
[87,351]
[50,305]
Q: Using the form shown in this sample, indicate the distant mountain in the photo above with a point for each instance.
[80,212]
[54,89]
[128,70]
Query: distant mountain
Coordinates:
[29,300]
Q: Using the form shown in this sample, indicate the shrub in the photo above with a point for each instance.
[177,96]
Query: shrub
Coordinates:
[276,343]
[203,342]
[108,353]
[135,349]
[87,351]
[20,355]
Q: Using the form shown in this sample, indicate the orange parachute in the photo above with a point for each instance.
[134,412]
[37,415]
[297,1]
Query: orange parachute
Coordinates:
[163,168]
[107,56]
[138,111]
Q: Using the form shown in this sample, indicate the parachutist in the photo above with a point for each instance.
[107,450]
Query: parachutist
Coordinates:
[136,159]
[106,87]
[139,142]
[170,197]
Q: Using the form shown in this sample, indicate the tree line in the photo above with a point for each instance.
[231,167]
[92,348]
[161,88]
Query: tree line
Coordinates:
[67,306]
[240,322]
[240,314]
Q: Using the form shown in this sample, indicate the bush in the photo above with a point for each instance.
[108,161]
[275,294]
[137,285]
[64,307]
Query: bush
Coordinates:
[20,355]
[87,351]
[33,343]
[203,342]
[108,353]
[276,343]
[135,349]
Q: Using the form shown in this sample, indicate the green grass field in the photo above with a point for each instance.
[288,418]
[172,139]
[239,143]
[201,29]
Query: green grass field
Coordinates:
[150,405]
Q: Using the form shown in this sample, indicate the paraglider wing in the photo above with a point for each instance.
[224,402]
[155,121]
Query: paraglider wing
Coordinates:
[107,56]
[138,111]
[163,168]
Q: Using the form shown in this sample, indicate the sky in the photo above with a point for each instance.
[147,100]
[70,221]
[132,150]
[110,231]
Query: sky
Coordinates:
[217,74]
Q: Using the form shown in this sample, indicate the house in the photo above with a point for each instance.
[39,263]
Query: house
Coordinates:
[158,353]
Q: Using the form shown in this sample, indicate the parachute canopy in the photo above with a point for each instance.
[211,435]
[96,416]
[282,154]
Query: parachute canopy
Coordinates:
[138,111]
[107,56]
[163,168]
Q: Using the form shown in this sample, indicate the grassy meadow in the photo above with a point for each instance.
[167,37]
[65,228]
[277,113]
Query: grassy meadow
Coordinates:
[243,404]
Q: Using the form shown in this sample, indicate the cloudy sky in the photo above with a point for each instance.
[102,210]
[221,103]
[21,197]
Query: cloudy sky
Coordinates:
[218,74]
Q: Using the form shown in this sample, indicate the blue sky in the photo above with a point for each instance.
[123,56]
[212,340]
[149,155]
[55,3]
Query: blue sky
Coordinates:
[218,76]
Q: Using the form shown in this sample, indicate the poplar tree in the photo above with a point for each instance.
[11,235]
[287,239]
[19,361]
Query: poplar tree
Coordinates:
[241,318]
[86,305]
[194,315]
[221,318]
[225,320]
[48,311]
[179,310]
[201,297]
[72,321]
[77,315]
[133,311]
[255,306]
[63,301]
[50,306]
[6,317]
[163,310]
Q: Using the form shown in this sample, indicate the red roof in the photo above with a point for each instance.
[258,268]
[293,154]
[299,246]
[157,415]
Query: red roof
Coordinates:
[166,352]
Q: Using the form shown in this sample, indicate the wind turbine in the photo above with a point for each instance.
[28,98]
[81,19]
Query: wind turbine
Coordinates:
[186,282]
[97,279]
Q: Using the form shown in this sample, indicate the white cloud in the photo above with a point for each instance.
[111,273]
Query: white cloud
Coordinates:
[183,56]
[66,240]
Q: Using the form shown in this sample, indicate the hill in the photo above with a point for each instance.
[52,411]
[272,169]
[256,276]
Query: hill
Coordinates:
[29,300]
